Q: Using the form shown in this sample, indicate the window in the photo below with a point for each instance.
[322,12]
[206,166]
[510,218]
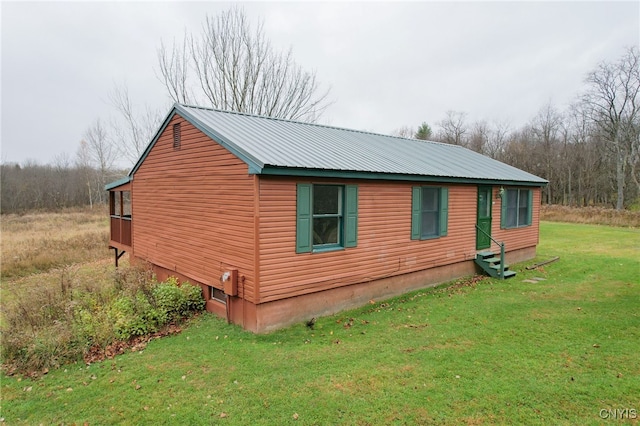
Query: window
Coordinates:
[429,212]
[327,217]
[120,204]
[115,203]
[217,294]
[126,204]
[517,208]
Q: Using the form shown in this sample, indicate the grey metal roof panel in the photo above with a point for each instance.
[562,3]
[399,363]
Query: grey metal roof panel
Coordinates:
[269,142]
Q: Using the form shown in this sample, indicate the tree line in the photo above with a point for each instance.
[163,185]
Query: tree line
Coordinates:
[31,186]
[228,64]
[590,153]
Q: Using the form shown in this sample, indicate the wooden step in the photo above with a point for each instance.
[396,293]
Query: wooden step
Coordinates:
[497,267]
[485,254]
[508,274]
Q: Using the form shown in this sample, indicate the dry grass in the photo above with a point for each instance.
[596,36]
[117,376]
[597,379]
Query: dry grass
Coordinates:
[590,215]
[39,242]
[46,257]
[41,327]
[63,299]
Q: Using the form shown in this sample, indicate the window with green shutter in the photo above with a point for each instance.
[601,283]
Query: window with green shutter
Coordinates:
[517,208]
[429,212]
[327,217]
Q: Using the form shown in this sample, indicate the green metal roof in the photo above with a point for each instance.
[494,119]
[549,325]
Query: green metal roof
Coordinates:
[117,183]
[273,146]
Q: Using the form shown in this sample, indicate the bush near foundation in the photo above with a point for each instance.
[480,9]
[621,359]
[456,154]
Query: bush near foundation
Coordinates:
[62,324]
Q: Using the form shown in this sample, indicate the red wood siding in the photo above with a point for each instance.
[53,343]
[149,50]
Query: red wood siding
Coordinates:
[193,209]
[384,247]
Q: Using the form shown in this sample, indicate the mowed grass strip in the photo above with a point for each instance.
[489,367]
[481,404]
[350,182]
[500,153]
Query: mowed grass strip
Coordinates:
[556,351]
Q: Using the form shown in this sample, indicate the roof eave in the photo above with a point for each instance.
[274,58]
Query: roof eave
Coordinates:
[122,181]
[349,174]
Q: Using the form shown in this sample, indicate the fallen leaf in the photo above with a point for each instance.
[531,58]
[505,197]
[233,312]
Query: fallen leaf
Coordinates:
[223,415]
[295,416]
[138,387]
[595,345]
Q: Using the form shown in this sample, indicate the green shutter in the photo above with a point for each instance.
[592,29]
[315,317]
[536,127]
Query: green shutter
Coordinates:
[303,218]
[530,211]
[444,210]
[351,216]
[503,210]
[416,215]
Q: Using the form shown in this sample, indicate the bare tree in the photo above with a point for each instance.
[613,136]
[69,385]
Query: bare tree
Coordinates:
[546,130]
[174,66]
[83,164]
[479,138]
[134,129]
[102,153]
[613,105]
[235,68]
[403,132]
[453,128]
[498,136]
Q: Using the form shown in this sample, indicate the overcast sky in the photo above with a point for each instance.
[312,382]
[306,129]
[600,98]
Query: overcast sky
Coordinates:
[388,64]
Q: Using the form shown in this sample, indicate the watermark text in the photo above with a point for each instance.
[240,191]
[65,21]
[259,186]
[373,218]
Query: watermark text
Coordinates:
[618,413]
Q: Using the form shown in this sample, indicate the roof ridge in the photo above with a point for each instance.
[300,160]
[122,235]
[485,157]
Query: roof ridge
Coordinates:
[246,114]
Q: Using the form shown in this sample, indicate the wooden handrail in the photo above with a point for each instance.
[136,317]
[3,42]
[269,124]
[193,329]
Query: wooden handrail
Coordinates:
[499,244]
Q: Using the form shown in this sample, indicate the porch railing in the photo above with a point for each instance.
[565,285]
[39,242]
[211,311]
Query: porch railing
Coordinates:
[121,230]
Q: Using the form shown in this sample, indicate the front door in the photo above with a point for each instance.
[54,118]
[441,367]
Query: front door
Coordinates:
[484,218]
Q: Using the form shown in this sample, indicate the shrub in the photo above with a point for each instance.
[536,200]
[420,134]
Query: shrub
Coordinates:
[194,300]
[49,325]
[93,327]
[176,301]
[134,316]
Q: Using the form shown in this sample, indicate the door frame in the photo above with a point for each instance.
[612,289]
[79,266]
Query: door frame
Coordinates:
[484,220]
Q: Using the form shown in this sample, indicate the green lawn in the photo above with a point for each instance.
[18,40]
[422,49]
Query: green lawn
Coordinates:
[554,352]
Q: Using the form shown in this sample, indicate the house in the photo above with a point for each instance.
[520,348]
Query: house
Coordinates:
[281,221]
